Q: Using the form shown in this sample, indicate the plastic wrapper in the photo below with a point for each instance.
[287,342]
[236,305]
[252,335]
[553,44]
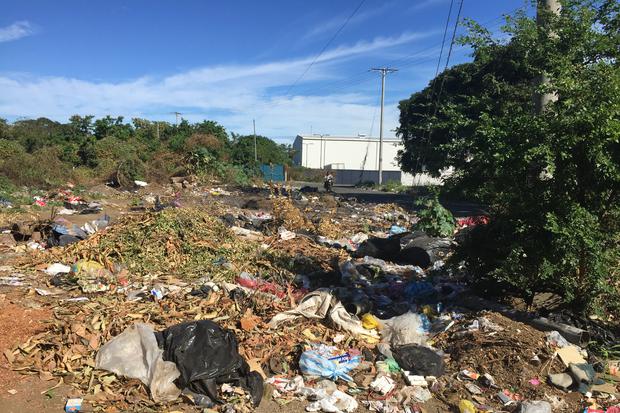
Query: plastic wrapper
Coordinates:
[134,353]
[328,362]
[409,328]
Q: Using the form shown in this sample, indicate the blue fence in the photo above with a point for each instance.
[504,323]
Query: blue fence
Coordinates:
[273,173]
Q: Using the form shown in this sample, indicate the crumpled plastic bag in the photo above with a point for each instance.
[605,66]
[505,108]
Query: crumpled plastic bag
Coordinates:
[409,328]
[554,338]
[208,355]
[321,304]
[370,322]
[539,406]
[337,402]
[419,360]
[329,362]
[134,353]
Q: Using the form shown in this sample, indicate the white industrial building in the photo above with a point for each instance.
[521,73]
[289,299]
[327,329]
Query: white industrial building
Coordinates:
[354,159]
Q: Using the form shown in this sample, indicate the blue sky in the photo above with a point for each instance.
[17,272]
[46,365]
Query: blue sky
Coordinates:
[226,61]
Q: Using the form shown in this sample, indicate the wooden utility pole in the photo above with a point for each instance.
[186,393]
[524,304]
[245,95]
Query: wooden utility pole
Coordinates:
[541,100]
[384,71]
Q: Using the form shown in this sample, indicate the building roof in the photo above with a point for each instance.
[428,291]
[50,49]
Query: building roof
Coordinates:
[349,138]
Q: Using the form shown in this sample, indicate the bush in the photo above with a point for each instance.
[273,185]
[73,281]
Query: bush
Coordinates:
[301,174]
[163,165]
[43,168]
[393,186]
[551,177]
[435,220]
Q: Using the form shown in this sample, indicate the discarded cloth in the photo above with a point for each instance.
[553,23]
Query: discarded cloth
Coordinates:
[134,354]
[321,304]
[207,355]
[329,362]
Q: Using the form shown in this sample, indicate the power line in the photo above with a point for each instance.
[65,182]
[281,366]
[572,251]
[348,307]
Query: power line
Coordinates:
[443,40]
[359,6]
[433,83]
[441,86]
[364,77]
[404,62]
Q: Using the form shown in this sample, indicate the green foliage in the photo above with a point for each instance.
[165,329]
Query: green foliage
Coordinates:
[434,219]
[551,180]
[109,148]
[109,126]
[393,186]
[268,152]
[43,168]
[87,154]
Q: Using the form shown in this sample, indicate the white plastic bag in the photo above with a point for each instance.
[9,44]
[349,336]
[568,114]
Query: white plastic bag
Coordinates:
[134,353]
[409,328]
[337,402]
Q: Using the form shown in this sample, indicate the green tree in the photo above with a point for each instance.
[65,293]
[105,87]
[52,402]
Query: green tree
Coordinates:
[552,180]
[109,126]
[4,129]
[88,154]
[81,125]
[34,134]
[267,150]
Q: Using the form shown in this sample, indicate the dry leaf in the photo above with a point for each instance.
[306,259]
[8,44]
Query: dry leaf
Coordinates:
[248,323]
[46,376]
[256,366]
[94,341]
[9,356]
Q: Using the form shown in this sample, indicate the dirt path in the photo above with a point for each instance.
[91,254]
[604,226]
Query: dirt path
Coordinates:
[19,319]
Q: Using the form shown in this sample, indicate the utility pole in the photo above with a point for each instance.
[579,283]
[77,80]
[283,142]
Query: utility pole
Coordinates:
[255,150]
[157,130]
[176,114]
[541,100]
[384,71]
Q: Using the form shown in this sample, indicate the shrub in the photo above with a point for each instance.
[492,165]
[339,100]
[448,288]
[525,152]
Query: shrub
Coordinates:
[393,186]
[299,173]
[435,220]
[551,177]
[163,165]
[43,168]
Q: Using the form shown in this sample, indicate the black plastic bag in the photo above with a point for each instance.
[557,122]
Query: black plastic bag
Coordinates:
[207,355]
[419,360]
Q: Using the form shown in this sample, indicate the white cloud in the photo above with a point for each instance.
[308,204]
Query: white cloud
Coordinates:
[230,94]
[16,31]
[330,26]
[422,4]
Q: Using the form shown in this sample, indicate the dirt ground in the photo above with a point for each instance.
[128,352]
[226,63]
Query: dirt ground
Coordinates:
[19,319]
[504,354]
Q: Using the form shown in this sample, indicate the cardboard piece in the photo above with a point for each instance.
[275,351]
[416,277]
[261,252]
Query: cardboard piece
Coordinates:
[570,354]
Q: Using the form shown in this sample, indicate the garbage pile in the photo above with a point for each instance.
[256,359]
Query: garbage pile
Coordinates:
[183,242]
[223,308]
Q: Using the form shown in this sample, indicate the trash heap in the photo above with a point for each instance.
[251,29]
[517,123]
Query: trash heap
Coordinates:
[228,308]
[186,243]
